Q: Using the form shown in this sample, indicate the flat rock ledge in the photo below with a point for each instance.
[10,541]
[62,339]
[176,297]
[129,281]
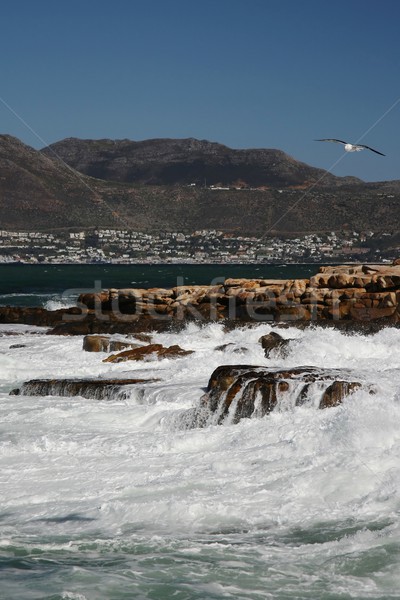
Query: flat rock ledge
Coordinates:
[97,389]
[235,392]
[354,297]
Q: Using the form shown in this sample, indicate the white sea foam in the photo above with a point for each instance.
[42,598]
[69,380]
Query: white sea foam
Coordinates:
[301,503]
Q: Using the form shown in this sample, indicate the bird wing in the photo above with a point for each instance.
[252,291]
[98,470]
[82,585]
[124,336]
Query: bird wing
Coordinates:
[368,148]
[331,140]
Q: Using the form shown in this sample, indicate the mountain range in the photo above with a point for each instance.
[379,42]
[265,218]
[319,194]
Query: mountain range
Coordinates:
[187,161]
[182,185]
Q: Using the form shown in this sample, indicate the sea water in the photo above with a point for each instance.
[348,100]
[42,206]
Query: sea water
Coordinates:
[120,499]
[57,286]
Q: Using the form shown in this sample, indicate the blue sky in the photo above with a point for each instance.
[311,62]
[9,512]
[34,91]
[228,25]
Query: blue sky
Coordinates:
[245,73]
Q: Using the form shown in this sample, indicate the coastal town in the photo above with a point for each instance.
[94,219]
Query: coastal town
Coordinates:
[203,246]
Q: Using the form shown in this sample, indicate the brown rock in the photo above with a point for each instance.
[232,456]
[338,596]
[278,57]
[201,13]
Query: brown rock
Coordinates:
[156,350]
[96,343]
[273,342]
[244,391]
[242,283]
[336,392]
[297,312]
[337,310]
[143,337]
[360,312]
[38,316]
[98,389]
[117,345]
[93,300]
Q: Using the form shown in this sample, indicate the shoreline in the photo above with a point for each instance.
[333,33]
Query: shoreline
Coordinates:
[346,296]
[182,264]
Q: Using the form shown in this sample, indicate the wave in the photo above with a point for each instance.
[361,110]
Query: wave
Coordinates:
[295,502]
[56,303]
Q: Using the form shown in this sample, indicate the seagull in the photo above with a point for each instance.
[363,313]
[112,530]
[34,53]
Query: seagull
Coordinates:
[351,147]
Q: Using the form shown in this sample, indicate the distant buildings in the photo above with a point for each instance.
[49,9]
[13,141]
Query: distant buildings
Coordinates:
[203,246]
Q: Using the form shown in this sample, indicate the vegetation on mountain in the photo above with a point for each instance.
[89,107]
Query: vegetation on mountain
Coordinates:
[187,161]
[40,191]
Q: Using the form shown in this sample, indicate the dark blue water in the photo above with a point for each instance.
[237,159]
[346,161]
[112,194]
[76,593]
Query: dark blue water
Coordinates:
[36,285]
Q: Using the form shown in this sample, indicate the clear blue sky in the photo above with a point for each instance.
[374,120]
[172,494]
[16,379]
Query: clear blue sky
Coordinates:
[246,73]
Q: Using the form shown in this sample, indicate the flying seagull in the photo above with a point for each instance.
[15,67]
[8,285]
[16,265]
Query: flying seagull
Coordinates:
[351,147]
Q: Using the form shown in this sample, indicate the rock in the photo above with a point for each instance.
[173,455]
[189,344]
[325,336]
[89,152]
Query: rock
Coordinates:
[117,345]
[231,346]
[14,346]
[337,293]
[37,315]
[242,283]
[102,343]
[334,394]
[295,312]
[273,342]
[143,337]
[108,323]
[361,312]
[156,350]
[243,391]
[96,343]
[98,389]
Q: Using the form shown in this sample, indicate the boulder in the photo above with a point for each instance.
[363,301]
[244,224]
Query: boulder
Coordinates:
[96,343]
[273,342]
[103,343]
[244,391]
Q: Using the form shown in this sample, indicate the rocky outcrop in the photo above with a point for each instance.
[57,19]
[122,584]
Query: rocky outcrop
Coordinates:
[244,391]
[37,315]
[360,297]
[97,389]
[150,351]
[344,293]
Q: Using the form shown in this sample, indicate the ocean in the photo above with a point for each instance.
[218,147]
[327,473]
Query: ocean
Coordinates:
[120,499]
[55,286]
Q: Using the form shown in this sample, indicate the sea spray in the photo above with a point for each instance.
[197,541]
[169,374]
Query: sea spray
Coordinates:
[109,499]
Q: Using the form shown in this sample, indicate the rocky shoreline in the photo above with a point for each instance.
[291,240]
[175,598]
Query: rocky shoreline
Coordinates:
[361,297]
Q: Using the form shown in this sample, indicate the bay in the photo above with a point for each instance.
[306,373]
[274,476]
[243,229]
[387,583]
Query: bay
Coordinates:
[60,285]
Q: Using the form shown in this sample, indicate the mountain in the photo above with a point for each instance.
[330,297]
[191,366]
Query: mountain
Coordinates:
[41,192]
[186,161]
[36,190]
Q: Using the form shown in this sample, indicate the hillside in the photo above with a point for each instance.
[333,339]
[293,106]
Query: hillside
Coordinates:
[36,191]
[42,193]
[186,161]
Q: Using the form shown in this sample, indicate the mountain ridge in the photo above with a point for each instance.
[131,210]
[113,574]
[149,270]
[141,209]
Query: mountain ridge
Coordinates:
[168,161]
[41,192]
